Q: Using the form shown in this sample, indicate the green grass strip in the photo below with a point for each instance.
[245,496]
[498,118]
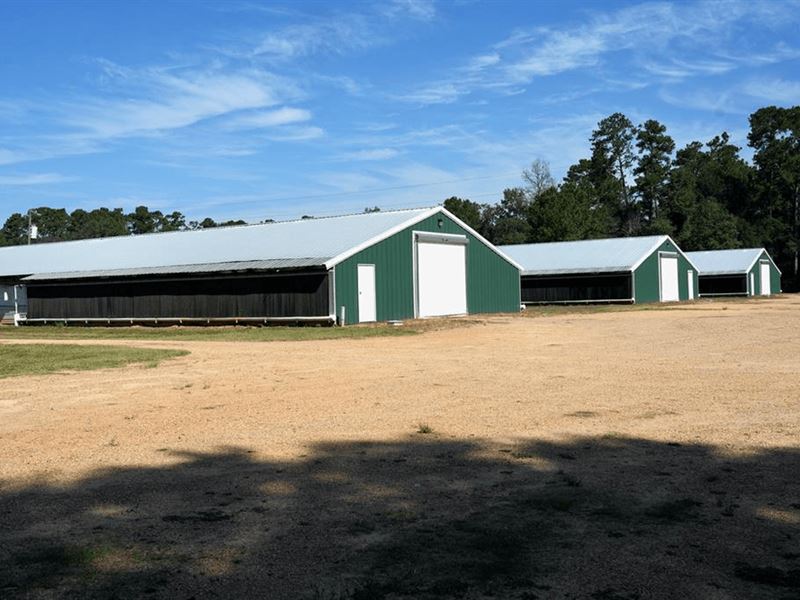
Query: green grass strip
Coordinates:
[38,359]
[200,334]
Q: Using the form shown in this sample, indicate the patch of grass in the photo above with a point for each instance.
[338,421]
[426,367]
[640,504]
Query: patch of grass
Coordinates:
[59,556]
[38,359]
[43,565]
[203,334]
[424,428]
[582,414]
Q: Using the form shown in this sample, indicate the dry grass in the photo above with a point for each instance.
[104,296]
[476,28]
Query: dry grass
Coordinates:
[591,454]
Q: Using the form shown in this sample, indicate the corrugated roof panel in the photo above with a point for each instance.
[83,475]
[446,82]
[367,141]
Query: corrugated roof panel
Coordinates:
[722,262]
[585,256]
[310,239]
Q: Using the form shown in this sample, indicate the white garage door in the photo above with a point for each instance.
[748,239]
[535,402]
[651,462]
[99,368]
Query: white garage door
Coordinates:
[668,272]
[441,275]
[766,288]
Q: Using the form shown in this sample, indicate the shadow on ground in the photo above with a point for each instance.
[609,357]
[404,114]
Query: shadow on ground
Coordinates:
[607,518]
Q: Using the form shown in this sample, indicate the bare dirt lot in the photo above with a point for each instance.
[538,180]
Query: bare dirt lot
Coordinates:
[614,455]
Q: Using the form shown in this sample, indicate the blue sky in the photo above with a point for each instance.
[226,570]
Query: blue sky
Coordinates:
[261,110]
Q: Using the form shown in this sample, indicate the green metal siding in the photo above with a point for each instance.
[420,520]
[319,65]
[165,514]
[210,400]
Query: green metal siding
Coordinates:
[646,277]
[775,276]
[492,282]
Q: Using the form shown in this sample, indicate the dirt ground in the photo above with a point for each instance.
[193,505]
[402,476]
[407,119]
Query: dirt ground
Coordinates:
[615,455]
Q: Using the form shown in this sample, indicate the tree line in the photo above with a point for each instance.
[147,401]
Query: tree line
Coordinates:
[633,182]
[58,225]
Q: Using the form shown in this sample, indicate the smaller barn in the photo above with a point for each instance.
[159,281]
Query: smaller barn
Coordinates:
[620,270]
[741,272]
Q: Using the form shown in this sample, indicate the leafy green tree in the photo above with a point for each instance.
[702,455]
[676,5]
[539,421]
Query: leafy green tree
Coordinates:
[97,223]
[207,223]
[565,213]
[652,168]
[15,230]
[775,137]
[372,209]
[707,181]
[52,223]
[710,226]
[141,220]
[174,221]
[468,211]
[611,163]
[507,221]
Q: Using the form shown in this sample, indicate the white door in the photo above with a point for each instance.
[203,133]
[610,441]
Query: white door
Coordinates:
[765,282]
[668,273]
[752,290]
[690,283]
[366,294]
[441,279]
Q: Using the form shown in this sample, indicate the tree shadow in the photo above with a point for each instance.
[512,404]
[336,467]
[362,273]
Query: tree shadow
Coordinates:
[424,517]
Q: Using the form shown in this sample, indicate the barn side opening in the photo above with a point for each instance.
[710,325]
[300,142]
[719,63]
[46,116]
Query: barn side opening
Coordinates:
[577,288]
[13,302]
[250,297]
[723,285]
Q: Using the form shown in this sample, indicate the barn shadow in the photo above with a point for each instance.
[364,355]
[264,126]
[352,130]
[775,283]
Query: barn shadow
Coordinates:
[425,517]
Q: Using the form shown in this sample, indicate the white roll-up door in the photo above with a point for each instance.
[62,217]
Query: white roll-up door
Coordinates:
[441,275]
[668,272]
[766,287]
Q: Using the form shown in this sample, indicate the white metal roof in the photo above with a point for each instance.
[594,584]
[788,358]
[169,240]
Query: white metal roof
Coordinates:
[586,256]
[727,262]
[321,242]
[316,241]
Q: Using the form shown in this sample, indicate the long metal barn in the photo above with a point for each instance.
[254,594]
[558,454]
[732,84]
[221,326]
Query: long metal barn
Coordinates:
[632,270]
[352,269]
[741,272]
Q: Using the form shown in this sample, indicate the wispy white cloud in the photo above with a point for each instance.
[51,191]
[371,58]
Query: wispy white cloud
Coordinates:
[680,69]
[296,134]
[735,99]
[424,10]
[159,102]
[774,90]
[347,181]
[33,179]
[269,118]
[8,157]
[373,154]
[646,32]
[330,35]
[167,100]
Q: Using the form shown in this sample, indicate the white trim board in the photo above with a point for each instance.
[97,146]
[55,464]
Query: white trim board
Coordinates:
[758,258]
[410,223]
[664,238]
[331,262]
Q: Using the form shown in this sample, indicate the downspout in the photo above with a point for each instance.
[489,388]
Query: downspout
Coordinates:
[16,308]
